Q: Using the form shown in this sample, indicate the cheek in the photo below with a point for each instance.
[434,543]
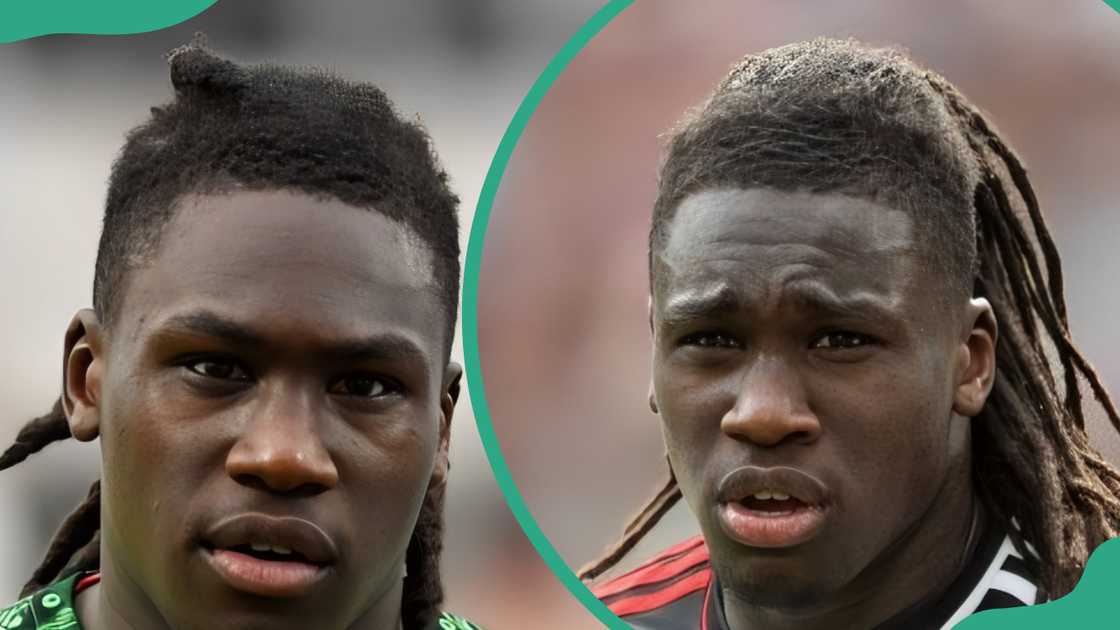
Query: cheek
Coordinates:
[692,398]
[391,458]
[690,409]
[153,465]
[389,466]
[384,492]
[890,432]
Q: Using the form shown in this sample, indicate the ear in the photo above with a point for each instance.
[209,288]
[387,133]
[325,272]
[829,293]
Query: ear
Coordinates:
[452,377]
[83,367]
[652,393]
[975,369]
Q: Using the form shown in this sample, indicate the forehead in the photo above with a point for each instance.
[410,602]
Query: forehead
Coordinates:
[289,262]
[764,239]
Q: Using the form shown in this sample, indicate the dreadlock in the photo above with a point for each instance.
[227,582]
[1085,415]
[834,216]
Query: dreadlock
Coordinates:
[252,128]
[838,116]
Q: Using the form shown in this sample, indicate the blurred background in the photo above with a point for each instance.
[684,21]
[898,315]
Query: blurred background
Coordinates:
[65,105]
[563,337]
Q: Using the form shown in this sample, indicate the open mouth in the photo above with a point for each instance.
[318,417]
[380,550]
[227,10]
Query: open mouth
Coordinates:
[269,556]
[271,553]
[771,508]
[771,503]
[771,523]
[267,573]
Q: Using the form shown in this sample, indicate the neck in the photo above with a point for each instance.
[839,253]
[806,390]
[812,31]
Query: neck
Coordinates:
[941,543]
[103,607]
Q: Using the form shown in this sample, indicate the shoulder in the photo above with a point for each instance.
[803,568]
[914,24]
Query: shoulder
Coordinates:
[448,621]
[670,580]
[50,608]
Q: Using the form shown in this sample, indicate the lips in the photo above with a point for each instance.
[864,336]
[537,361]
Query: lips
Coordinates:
[772,507]
[269,556]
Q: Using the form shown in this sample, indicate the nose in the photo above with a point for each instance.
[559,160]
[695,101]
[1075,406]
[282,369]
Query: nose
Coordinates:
[281,448]
[771,407]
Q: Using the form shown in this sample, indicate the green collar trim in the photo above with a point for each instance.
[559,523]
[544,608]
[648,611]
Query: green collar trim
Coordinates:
[447,621]
[49,609]
[53,609]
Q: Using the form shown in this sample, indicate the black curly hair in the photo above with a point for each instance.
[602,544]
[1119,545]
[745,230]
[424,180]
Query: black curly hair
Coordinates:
[839,116]
[241,127]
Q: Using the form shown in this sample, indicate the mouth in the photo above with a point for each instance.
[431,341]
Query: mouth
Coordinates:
[772,507]
[269,556]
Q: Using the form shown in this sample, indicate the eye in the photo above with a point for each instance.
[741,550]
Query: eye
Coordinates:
[216,368]
[710,339]
[363,385]
[842,340]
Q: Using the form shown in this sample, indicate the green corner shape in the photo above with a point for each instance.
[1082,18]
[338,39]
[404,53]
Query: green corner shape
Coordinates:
[1086,607]
[1089,605]
[24,19]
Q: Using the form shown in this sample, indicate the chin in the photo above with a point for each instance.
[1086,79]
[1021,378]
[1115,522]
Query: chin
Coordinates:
[231,610]
[775,583]
[243,620]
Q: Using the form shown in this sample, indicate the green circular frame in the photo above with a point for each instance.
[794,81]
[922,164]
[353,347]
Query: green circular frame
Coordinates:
[1093,594]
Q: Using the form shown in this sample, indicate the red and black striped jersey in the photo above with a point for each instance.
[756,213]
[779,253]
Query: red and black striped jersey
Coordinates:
[673,590]
[678,591]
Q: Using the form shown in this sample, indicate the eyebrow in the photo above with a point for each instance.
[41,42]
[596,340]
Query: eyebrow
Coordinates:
[722,300]
[821,299]
[385,346]
[712,302]
[209,324]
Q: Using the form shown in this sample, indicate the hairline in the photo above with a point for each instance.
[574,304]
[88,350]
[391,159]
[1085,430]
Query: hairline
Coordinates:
[223,185]
[959,282]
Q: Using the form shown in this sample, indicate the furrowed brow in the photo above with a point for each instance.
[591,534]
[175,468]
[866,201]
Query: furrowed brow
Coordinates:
[821,300]
[699,304]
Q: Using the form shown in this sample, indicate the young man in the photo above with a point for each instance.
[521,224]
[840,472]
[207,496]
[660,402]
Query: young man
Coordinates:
[862,364]
[266,365]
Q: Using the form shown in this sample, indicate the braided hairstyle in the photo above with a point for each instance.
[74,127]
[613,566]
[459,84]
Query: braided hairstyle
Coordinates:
[837,116]
[250,128]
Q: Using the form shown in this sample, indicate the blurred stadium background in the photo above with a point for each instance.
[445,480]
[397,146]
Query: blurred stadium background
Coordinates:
[563,341]
[563,335]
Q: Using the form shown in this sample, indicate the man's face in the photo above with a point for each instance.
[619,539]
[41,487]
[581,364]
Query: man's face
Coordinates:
[272,402]
[805,363]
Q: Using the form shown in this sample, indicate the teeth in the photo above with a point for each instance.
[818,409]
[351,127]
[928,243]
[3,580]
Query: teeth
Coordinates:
[280,549]
[765,495]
